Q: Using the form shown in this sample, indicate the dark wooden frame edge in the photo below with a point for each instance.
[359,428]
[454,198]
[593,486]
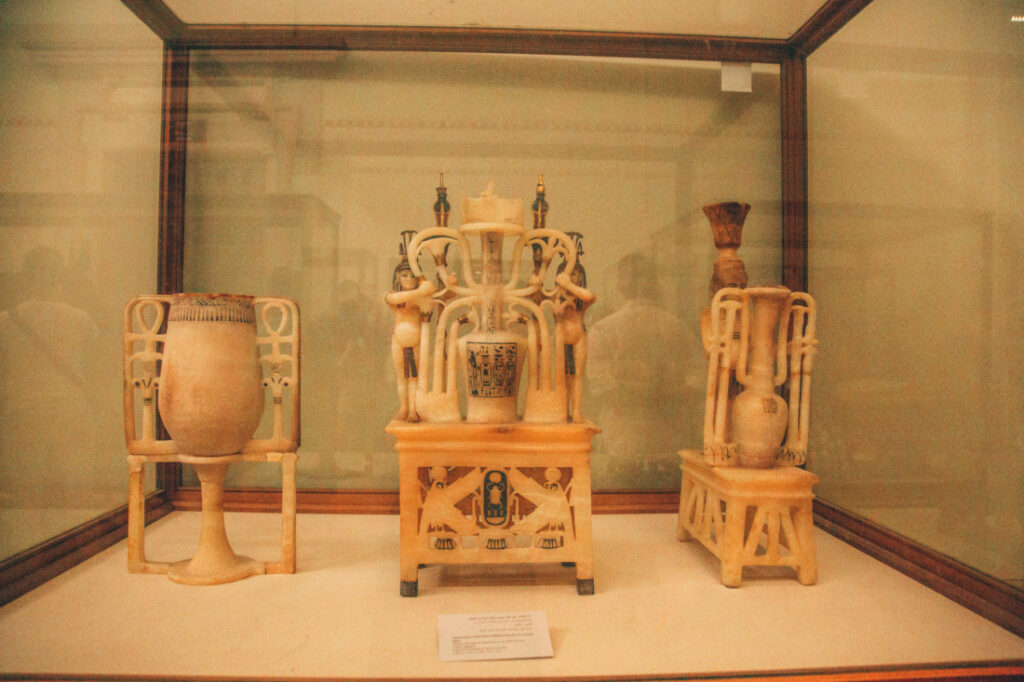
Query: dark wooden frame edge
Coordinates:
[987,596]
[29,569]
[993,671]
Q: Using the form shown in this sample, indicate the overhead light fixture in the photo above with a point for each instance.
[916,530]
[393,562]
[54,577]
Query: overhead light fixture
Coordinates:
[1017,19]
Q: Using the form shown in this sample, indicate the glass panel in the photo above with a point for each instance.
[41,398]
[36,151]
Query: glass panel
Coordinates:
[79,176]
[760,18]
[303,169]
[916,259]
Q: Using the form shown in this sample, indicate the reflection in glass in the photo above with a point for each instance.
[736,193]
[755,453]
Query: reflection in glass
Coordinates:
[916,258]
[332,154]
[79,179]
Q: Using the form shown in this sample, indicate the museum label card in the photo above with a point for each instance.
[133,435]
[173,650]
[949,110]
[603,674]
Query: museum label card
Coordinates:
[736,77]
[493,636]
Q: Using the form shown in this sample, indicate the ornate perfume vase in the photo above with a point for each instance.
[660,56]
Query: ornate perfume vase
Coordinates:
[492,357]
[469,333]
[763,341]
[211,387]
[759,415]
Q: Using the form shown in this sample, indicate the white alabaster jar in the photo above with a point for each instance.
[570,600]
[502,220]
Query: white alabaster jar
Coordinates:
[211,383]
[759,414]
[492,356]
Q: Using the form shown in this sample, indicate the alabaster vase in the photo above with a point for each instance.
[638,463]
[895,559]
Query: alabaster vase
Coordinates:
[211,383]
[492,356]
[759,415]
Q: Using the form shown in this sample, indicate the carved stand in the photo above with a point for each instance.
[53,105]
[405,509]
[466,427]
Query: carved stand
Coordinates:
[749,517]
[494,494]
[214,561]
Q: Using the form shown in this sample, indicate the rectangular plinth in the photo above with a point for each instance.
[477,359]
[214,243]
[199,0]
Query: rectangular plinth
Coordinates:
[749,517]
[494,494]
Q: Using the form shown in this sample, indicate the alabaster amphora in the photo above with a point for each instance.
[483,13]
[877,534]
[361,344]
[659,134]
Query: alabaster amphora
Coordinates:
[211,402]
[759,415]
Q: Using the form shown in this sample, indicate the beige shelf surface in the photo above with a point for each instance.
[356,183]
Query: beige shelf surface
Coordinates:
[659,609]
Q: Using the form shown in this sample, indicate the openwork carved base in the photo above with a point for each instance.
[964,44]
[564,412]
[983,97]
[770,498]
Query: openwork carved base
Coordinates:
[494,494]
[749,517]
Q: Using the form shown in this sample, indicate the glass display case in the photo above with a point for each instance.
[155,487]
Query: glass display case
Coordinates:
[175,146]
[79,190]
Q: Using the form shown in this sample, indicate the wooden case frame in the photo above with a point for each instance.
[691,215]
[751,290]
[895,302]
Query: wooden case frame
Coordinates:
[997,601]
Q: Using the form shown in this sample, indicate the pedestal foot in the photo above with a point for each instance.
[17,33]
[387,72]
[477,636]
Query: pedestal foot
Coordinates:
[188,572]
[214,561]
[410,588]
[585,586]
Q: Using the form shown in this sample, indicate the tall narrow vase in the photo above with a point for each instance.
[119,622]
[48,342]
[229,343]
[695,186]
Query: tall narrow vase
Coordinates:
[211,384]
[759,414]
[492,355]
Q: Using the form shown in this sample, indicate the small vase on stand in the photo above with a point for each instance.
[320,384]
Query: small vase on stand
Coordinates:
[760,342]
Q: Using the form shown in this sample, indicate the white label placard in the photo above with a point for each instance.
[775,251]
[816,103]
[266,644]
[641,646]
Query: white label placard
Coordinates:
[736,77]
[493,636]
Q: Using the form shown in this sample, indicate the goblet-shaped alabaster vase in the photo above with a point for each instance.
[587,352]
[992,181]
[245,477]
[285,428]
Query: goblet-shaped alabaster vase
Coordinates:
[211,401]
[203,377]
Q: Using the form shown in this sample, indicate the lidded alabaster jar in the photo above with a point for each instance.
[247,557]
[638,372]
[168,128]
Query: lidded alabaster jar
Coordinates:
[492,356]
[211,384]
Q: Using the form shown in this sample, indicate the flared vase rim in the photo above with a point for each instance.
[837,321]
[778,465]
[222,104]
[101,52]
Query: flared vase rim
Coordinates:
[728,205]
[768,291]
[212,298]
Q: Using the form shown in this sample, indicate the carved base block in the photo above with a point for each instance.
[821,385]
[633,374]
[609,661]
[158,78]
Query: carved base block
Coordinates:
[494,494]
[749,517]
